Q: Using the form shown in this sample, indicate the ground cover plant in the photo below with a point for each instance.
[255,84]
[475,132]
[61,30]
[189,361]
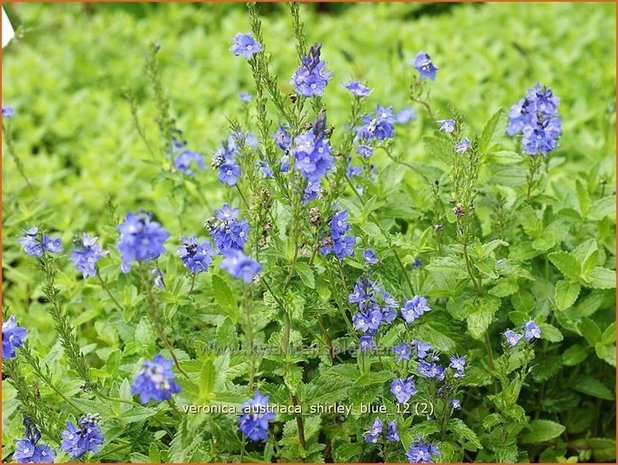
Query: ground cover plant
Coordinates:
[346,233]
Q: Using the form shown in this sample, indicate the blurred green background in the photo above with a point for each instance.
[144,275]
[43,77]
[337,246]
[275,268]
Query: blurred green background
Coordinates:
[73,131]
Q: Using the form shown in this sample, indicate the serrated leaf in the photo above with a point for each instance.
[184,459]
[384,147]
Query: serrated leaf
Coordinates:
[550,333]
[224,297]
[306,274]
[493,129]
[481,318]
[566,263]
[574,355]
[541,431]
[603,208]
[590,330]
[583,198]
[566,294]
[593,387]
[463,433]
[600,278]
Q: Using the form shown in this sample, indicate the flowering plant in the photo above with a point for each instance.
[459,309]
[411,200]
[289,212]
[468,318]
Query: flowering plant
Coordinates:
[362,274]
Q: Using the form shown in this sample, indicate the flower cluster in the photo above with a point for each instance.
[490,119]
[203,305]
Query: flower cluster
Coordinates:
[27,449]
[185,159]
[378,127]
[536,118]
[358,89]
[36,244]
[141,239]
[239,265]
[311,78]
[86,254]
[530,329]
[227,230]
[86,436]
[377,429]
[245,45]
[224,160]
[256,415]
[423,64]
[312,158]
[422,452]
[414,308]
[155,381]
[196,256]
[376,306]
[7,111]
[339,241]
[403,389]
[12,337]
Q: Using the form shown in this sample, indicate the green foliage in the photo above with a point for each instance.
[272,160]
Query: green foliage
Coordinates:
[96,107]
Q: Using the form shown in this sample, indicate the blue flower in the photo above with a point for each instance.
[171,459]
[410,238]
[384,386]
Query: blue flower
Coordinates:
[236,263]
[366,343]
[36,245]
[421,348]
[77,440]
[141,239]
[311,78]
[364,151]
[378,127]
[423,64]
[373,434]
[158,278]
[376,306]
[455,404]
[28,451]
[256,415]
[447,125]
[422,452]
[7,111]
[415,308]
[370,256]
[245,97]
[184,160]
[512,338]
[392,434]
[228,231]
[86,254]
[531,330]
[245,44]
[405,116]
[458,364]
[402,352]
[357,89]
[267,172]
[195,256]
[283,139]
[430,370]
[338,242]
[311,151]
[12,337]
[462,146]
[155,380]
[224,159]
[536,118]
[403,389]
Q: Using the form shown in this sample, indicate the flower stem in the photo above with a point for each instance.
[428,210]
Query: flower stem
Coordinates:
[108,291]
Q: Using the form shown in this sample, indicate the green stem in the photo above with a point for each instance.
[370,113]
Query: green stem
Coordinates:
[108,291]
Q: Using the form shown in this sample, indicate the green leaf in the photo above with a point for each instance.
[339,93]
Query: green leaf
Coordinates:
[550,333]
[566,294]
[574,355]
[583,198]
[541,431]
[306,274]
[590,330]
[494,128]
[207,380]
[603,208]
[480,319]
[593,387]
[224,297]
[609,335]
[566,263]
[463,433]
[600,278]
